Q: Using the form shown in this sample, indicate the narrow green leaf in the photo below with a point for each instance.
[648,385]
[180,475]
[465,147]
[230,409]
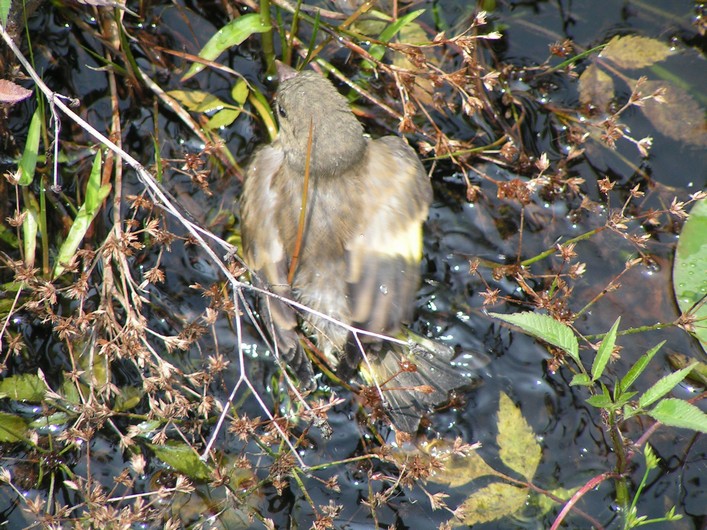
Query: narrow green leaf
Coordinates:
[12,428]
[545,328]
[222,118]
[662,387]
[390,31]
[30,226]
[232,34]
[678,413]
[604,352]
[95,195]
[637,369]
[25,387]
[183,459]
[28,162]
[4,11]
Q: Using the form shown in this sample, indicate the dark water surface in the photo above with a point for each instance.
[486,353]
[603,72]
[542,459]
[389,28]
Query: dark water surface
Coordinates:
[572,435]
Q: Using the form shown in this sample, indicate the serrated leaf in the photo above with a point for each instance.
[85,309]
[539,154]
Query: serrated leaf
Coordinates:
[518,447]
[182,458]
[28,162]
[493,502]
[12,428]
[24,387]
[678,413]
[662,387]
[545,328]
[601,401]
[596,87]
[232,34]
[679,116]
[605,349]
[580,380]
[637,369]
[546,503]
[635,52]
[690,269]
[460,470]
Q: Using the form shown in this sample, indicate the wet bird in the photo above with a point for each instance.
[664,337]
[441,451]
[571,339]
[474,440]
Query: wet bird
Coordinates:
[354,255]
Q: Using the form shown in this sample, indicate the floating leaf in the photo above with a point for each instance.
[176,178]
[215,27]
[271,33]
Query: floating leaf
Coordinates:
[545,328]
[690,269]
[183,459]
[459,470]
[546,503]
[596,87]
[679,413]
[25,387]
[12,428]
[635,52]
[493,502]
[679,116]
[232,34]
[11,92]
[516,440]
[698,373]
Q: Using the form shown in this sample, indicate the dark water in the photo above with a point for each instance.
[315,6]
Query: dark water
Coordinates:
[575,446]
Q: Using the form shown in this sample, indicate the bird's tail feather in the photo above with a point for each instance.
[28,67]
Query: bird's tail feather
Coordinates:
[413,378]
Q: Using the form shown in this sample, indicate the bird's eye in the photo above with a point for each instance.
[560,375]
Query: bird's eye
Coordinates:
[281,111]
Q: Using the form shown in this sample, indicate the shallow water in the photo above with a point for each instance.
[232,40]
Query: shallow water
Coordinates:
[573,439]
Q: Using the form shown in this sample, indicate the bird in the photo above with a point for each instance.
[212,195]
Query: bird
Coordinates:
[348,246]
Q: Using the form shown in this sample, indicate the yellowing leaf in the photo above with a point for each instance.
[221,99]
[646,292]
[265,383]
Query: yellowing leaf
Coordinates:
[545,503]
[596,87]
[493,502]
[679,116]
[635,52]
[516,440]
[198,100]
[460,470]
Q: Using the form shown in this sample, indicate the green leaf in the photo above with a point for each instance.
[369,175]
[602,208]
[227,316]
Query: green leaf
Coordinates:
[637,369]
[391,30]
[580,380]
[25,387]
[30,226]
[183,459]
[240,92]
[4,11]
[28,162]
[95,195]
[689,275]
[652,460]
[232,34]
[545,328]
[663,386]
[128,398]
[12,428]
[198,100]
[604,352]
[222,118]
[53,420]
[679,413]
[493,502]
[518,447]
[601,401]
[547,503]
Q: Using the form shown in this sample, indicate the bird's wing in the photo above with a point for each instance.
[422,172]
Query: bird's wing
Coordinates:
[383,256]
[264,252]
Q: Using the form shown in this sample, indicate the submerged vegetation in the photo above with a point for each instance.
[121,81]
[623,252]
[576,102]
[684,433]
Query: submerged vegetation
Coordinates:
[137,385]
